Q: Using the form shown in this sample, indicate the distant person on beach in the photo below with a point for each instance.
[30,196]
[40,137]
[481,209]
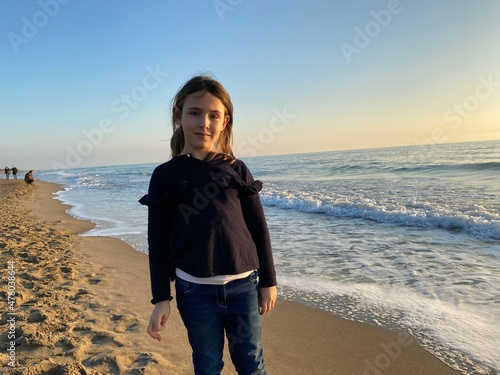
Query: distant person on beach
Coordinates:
[28,177]
[207,231]
[7,173]
[14,172]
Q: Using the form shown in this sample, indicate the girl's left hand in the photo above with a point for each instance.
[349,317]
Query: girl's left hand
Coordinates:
[267,299]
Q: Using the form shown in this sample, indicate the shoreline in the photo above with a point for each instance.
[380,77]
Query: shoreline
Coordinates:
[99,306]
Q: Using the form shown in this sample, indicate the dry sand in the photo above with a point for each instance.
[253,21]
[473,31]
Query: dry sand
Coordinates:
[82,307]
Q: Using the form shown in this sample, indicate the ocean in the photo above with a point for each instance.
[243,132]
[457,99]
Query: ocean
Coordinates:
[406,238]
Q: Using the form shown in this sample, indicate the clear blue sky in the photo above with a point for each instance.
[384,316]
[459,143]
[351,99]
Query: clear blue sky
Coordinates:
[86,83]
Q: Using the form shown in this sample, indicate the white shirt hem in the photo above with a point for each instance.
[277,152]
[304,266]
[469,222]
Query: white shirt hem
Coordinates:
[213,280]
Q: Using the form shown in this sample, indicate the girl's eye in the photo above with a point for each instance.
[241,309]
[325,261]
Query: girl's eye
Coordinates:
[194,113]
[215,116]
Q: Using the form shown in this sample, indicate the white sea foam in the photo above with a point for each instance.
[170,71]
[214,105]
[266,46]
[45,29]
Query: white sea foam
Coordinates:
[115,231]
[477,221]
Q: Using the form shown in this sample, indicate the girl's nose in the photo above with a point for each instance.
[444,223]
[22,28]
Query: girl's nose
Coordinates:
[204,122]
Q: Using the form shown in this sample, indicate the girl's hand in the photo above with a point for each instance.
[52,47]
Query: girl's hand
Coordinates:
[158,319]
[267,299]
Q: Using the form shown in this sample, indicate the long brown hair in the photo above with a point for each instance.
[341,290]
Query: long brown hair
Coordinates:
[203,84]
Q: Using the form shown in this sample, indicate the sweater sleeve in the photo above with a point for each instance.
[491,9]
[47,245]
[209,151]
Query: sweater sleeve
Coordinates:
[159,239]
[253,212]
[256,223]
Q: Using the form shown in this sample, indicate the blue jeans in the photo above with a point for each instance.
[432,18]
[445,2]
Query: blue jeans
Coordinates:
[208,310]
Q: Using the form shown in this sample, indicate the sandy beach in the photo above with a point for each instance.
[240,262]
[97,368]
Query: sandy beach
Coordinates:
[82,307]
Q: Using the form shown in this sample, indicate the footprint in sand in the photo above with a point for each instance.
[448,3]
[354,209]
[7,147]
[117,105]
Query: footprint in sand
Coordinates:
[24,275]
[145,359]
[103,338]
[69,272]
[36,316]
[81,294]
[95,281]
[93,278]
[28,284]
[106,365]
[125,323]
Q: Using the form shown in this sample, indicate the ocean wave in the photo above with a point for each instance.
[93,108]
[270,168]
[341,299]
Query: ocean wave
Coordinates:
[476,223]
[459,167]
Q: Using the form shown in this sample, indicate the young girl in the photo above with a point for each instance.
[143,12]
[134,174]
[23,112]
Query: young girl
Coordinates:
[207,231]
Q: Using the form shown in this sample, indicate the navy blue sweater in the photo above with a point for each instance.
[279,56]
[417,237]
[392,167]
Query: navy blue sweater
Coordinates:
[205,217]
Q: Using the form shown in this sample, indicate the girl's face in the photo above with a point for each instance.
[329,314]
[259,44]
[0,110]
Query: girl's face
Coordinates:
[202,119]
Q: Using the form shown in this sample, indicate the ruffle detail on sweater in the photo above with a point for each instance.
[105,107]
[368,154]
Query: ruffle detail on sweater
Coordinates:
[244,189]
[224,181]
